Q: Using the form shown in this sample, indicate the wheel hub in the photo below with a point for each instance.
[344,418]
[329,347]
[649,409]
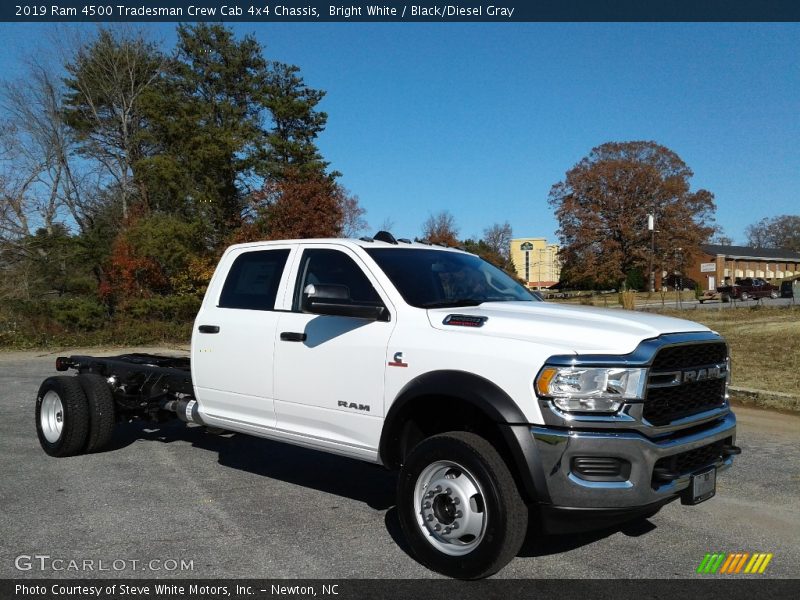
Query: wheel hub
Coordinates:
[51,416]
[451,511]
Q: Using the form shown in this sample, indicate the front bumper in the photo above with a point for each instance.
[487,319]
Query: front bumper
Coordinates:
[557,447]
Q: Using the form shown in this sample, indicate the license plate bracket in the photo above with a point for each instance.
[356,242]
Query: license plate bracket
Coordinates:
[702,486]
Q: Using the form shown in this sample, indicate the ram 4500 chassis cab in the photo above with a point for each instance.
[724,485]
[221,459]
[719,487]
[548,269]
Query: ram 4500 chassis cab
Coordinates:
[493,405]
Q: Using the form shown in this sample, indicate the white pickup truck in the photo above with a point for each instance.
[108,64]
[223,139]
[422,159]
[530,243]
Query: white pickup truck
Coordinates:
[493,405]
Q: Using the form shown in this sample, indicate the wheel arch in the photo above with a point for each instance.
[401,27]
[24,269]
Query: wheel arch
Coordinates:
[479,404]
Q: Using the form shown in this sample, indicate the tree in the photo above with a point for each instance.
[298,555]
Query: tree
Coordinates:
[777,232]
[295,208]
[353,222]
[207,116]
[722,239]
[107,81]
[297,123]
[602,207]
[498,238]
[441,228]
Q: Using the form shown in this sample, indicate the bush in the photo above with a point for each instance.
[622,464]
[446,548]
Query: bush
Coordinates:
[161,308]
[81,314]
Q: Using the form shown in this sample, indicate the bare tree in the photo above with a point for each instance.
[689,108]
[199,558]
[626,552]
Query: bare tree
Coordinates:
[441,228]
[498,238]
[353,222]
[782,231]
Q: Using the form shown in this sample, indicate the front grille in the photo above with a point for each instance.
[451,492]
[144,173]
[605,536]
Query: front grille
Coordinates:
[690,355]
[669,403]
[666,404]
[687,462]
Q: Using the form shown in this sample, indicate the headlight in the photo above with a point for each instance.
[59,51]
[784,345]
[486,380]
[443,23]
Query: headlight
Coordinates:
[590,389]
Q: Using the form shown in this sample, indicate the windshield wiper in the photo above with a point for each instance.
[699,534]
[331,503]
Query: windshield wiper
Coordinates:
[452,303]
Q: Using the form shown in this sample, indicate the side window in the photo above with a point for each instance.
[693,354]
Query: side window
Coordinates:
[335,267]
[253,280]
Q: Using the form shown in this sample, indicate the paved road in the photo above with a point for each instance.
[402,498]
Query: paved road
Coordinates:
[242,507]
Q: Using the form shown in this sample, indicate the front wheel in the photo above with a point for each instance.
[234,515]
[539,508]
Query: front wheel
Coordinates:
[459,506]
[773,295]
[744,296]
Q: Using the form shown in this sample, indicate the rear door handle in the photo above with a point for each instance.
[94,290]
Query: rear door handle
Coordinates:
[208,329]
[293,336]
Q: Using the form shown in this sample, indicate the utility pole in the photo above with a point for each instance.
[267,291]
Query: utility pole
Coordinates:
[651,225]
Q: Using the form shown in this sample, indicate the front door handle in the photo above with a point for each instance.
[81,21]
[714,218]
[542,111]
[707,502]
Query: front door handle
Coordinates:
[208,329]
[293,336]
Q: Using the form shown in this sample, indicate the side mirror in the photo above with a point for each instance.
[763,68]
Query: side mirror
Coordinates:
[330,299]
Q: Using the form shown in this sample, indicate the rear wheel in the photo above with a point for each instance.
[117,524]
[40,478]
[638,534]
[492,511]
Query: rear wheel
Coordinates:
[459,506]
[101,410]
[62,416]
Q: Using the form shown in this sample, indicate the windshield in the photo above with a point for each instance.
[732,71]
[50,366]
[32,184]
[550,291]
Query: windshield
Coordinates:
[438,279]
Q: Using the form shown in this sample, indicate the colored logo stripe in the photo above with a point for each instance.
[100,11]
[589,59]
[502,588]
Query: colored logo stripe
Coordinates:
[729,564]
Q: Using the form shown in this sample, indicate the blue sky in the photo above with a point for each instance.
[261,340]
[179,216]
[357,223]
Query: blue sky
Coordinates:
[482,119]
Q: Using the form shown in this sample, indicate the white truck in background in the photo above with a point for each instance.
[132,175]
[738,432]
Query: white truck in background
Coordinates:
[494,406]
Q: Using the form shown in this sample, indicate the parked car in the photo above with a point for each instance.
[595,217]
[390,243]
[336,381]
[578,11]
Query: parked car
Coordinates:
[787,289]
[748,288]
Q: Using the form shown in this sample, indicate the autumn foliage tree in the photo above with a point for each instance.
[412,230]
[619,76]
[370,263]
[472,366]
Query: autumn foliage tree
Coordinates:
[441,228]
[300,206]
[777,232]
[602,207]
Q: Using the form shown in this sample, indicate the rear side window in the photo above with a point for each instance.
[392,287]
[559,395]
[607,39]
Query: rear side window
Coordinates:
[253,280]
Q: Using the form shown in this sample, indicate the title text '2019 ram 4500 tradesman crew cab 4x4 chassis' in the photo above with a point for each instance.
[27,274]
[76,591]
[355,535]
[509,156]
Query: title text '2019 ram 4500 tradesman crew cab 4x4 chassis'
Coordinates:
[431,361]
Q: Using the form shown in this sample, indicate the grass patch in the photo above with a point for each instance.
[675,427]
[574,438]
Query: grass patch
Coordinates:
[764,343]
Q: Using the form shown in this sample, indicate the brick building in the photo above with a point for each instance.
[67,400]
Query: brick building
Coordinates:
[718,264]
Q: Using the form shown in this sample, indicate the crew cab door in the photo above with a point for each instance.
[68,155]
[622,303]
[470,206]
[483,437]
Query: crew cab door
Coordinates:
[329,370]
[233,341]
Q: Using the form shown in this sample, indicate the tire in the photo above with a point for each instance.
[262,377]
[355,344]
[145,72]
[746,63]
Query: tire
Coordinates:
[484,503]
[744,297]
[62,416]
[101,411]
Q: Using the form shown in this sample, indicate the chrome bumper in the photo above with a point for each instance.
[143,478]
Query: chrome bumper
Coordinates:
[556,448]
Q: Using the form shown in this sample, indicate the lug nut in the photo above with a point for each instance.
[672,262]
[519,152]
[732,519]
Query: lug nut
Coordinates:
[437,489]
[437,527]
[427,505]
[447,530]
[448,491]
[456,500]
[454,525]
[459,514]
[429,517]
[430,494]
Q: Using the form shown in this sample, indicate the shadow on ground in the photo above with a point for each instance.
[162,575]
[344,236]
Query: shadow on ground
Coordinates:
[345,477]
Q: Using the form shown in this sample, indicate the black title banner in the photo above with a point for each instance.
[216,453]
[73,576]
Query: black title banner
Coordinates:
[390,11]
[508,589]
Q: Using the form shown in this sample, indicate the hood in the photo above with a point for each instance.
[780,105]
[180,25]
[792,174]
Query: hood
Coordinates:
[579,329]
